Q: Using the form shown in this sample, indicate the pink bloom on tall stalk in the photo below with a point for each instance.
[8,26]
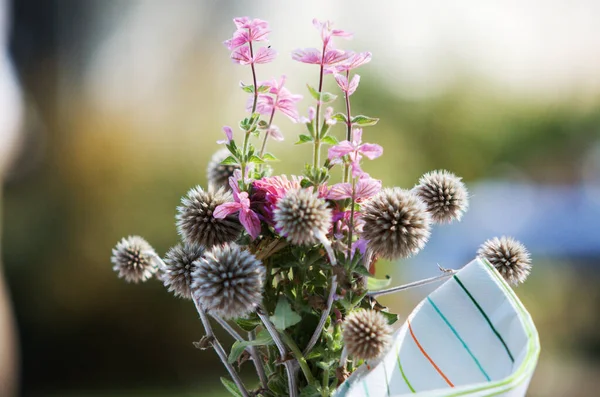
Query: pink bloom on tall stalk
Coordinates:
[349,87]
[354,60]
[331,57]
[355,150]
[248,218]
[247,31]
[327,31]
[365,188]
[327,116]
[278,98]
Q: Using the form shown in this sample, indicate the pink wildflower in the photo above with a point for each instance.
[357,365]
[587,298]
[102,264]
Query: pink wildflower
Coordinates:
[328,59]
[354,60]
[283,100]
[365,188]
[248,218]
[247,31]
[275,133]
[243,56]
[327,31]
[228,134]
[355,150]
[347,87]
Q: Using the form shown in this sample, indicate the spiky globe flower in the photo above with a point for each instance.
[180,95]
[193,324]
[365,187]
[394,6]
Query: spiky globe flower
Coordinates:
[302,217]
[509,257]
[132,258]
[396,223]
[218,174]
[177,276]
[228,281]
[444,194]
[366,334]
[196,223]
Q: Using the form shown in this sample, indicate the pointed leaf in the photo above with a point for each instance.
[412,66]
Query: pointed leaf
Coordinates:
[327,97]
[329,140]
[340,117]
[304,139]
[255,159]
[231,387]
[230,161]
[375,283]
[262,339]
[364,121]
[314,93]
[269,157]
[284,316]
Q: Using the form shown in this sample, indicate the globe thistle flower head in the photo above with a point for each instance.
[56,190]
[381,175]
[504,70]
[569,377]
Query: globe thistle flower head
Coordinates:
[132,259]
[444,194]
[180,264]
[396,223]
[302,217]
[195,220]
[228,281]
[366,334]
[218,174]
[509,257]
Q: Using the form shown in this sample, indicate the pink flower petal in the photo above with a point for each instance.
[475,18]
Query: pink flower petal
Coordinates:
[353,84]
[226,209]
[334,56]
[275,133]
[341,149]
[241,55]
[366,188]
[340,191]
[341,81]
[251,222]
[371,150]
[228,135]
[264,55]
[357,136]
[307,55]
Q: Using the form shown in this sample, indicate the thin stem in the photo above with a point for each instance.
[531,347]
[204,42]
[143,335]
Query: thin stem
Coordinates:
[253,79]
[254,103]
[260,369]
[443,276]
[289,366]
[349,126]
[299,356]
[219,349]
[324,316]
[264,143]
[317,142]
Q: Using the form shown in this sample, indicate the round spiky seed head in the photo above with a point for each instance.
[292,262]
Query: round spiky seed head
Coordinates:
[228,281]
[301,216]
[509,257]
[396,223]
[132,258]
[366,334]
[177,276]
[218,174]
[196,223]
[444,194]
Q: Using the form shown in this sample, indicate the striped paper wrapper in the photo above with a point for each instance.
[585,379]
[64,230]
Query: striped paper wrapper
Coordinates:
[470,337]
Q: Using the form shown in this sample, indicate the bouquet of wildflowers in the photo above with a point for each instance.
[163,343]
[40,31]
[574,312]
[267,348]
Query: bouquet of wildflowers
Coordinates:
[285,264]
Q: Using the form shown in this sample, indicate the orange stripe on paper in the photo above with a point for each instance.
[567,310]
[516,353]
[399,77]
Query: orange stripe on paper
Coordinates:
[439,371]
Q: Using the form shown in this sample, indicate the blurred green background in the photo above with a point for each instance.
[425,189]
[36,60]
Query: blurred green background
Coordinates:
[124,101]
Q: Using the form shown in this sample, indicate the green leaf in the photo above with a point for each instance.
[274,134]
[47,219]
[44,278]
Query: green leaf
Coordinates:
[340,117]
[269,157]
[364,121]
[314,93]
[230,161]
[247,88]
[391,317]
[363,271]
[247,324]
[262,339]
[323,97]
[263,89]
[327,97]
[375,283]
[310,391]
[329,140]
[304,139]
[284,316]
[231,387]
[255,159]
[277,386]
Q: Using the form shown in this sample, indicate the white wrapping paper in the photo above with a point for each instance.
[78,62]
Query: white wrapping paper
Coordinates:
[470,337]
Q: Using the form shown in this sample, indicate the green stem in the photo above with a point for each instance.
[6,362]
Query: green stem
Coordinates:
[247,136]
[325,383]
[299,356]
[264,144]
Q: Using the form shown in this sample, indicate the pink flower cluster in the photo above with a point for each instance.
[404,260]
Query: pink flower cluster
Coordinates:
[249,31]
[277,98]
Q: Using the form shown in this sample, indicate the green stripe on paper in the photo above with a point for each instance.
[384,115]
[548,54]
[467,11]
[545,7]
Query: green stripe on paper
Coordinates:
[455,332]
[402,371]
[387,381]
[365,387]
[486,318]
